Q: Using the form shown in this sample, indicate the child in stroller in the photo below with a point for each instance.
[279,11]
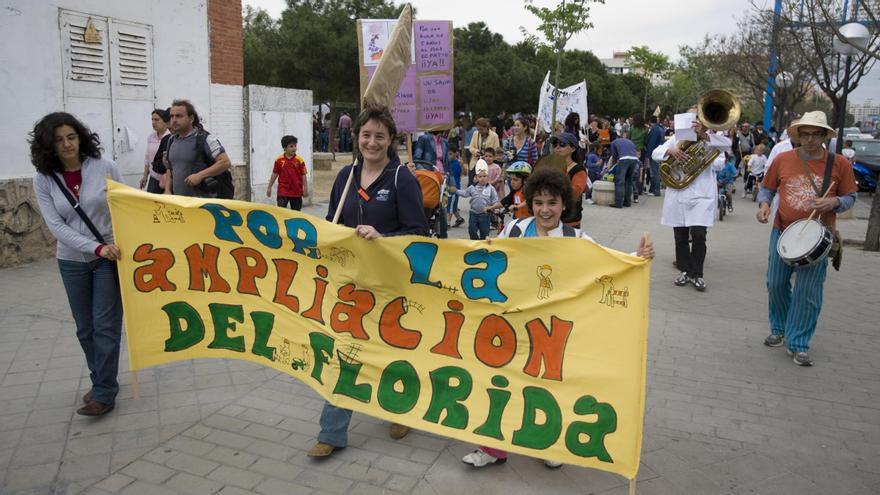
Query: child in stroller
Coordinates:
[433,186]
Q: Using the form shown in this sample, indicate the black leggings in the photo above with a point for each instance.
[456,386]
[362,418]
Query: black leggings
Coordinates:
[295,202]
[690,249]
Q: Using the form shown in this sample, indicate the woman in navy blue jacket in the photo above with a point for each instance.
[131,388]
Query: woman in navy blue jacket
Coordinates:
[384,199]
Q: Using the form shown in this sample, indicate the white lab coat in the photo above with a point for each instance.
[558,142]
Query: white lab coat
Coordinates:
[781,147]
[694,205]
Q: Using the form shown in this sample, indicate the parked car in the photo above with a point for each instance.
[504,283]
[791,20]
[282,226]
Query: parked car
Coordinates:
[866,162]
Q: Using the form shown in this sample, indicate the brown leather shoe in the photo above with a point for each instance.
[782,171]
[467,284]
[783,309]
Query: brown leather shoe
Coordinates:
[95,408]
[88,397]
[398,431]
[321,450]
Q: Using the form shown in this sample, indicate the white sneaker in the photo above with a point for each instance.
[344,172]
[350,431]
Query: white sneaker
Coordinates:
[479,459]
[590,201]
[552,464]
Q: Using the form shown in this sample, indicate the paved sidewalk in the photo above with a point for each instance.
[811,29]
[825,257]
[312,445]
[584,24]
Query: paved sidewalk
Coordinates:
[725,415]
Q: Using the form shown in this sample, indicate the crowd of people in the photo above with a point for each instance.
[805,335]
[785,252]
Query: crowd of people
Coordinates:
[498,157]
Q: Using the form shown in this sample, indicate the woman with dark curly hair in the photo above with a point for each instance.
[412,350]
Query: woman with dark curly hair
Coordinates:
[70,171]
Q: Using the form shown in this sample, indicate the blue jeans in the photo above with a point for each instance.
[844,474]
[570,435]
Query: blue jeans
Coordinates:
[478,225]
[794,313]
[452,204]
[623,182]
[344,140]
[655,178]
[334,425]
[93,292]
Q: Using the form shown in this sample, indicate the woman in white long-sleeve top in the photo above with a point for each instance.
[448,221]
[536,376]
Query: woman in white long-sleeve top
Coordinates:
[70,171]
[690,212]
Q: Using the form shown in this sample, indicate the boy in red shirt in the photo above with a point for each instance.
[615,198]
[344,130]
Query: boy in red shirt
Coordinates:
[290,170]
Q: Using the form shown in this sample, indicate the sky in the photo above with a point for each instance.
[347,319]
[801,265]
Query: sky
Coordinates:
[618,24]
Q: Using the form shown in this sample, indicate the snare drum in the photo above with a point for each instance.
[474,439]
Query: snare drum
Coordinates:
[804,243]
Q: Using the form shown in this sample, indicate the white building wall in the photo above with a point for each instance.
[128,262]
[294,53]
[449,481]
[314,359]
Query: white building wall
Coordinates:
[227,119]
[273,113]
[31,74]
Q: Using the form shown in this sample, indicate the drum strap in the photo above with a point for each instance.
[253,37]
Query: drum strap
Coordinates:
[825,179]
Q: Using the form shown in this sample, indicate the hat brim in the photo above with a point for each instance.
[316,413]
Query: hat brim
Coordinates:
[793,129]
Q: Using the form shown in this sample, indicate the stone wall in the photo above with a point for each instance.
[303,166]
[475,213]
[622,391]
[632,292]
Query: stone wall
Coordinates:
[23,235]
[241,179]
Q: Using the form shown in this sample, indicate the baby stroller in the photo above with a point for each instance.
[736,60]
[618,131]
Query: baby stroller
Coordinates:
[433,185]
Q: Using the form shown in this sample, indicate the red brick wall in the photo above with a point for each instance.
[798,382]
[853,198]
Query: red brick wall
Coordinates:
[227,48]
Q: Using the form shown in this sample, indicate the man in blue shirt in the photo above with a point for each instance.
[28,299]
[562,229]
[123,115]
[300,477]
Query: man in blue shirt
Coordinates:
[625,158]
[655,139]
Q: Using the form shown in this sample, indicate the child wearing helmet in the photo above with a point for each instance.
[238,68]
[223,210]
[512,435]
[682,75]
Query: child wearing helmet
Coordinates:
[515,202]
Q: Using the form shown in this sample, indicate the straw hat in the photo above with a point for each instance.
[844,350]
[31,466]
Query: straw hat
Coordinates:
[812,119]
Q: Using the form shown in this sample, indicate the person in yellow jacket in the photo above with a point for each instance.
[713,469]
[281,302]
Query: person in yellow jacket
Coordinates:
[482,139]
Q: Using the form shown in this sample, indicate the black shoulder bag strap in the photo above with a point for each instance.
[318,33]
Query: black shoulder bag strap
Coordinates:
[826,178]
[75,204]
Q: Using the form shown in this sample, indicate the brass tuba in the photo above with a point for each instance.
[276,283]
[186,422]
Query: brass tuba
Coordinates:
[717,110]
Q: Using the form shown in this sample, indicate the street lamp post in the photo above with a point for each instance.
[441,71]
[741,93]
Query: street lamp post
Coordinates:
[783,81]
[855,34]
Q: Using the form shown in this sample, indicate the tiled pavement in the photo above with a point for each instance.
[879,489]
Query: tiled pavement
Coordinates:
[724,414]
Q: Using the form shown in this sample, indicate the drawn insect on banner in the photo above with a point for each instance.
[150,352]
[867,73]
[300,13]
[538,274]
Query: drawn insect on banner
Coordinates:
[535,346]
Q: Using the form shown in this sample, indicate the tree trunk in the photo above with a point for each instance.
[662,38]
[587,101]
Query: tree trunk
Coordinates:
[556,89]
[645,108]
[872,237]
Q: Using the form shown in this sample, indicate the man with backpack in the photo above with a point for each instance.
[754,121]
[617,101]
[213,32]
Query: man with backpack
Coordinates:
[743,142]
[198,165]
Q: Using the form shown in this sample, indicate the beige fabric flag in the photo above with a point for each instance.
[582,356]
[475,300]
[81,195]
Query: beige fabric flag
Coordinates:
[382,88]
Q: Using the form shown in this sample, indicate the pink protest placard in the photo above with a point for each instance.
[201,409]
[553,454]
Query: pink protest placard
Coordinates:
[405,107]
[435,101]
[433,49]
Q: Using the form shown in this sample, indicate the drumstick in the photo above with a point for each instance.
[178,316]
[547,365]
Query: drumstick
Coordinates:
[814,211]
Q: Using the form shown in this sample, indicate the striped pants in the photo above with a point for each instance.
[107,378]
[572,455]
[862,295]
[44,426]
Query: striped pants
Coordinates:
[794,312]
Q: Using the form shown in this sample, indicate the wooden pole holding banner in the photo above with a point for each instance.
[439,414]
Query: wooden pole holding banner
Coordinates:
[409,147]
[135,386]
[344,194]
[386,80]
[632,486]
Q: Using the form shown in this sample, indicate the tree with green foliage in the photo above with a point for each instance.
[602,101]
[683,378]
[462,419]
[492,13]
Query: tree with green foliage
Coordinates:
[558,26]
[292,52]
[490,74]
[650,65]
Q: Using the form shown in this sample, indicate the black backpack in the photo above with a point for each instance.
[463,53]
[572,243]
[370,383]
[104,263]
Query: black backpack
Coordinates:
[219,186]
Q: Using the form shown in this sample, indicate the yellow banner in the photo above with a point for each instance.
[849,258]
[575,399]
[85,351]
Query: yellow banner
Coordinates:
[535,346]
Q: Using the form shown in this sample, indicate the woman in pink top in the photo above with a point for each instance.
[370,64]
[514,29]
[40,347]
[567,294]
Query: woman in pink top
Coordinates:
[156,182]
